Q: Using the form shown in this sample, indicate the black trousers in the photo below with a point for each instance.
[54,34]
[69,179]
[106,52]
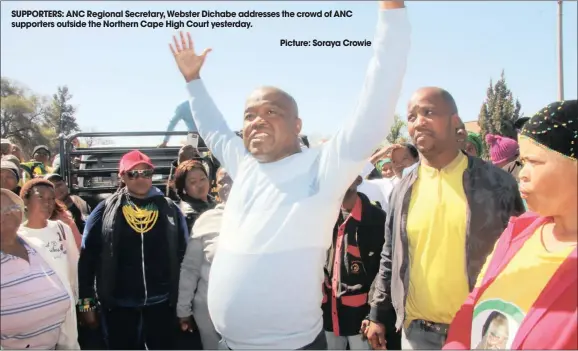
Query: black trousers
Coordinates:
[320,343]
[131,328]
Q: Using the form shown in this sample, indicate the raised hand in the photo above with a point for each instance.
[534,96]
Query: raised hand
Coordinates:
[188,62]
[391,4]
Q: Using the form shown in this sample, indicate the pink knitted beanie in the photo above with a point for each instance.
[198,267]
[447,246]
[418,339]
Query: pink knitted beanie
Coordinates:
[501,148]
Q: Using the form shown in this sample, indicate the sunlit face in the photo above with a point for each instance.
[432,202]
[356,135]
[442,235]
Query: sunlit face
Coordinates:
[224,184]
[8,179]
[387,170]
[41,202]
[197,184]
[400,160]
[547,180]
[470,149]
[139,179]
[270,124]
[60,189]
[41,156]
[430,122]
[10,215]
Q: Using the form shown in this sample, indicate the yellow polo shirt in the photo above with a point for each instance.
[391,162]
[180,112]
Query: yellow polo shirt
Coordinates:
[436,230]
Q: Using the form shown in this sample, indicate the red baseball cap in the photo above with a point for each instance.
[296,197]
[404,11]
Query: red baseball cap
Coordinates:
[133,159]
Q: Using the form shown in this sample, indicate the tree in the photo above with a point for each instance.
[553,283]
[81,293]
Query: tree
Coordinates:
[397,131]
[499,112]
[21,115]
[60,115]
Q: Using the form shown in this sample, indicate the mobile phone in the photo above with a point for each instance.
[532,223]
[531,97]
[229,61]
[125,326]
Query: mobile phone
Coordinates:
[193,140]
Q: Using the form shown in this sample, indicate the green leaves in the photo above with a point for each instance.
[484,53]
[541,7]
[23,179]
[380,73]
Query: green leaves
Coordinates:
[29,119]
[498,112]
[397,131]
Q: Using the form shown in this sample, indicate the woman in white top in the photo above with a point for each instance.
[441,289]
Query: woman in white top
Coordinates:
[37,309]
[39,200]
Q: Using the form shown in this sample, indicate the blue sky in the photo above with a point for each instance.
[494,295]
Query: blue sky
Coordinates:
[126,79]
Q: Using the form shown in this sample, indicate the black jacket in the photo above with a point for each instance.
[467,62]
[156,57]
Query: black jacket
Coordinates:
[493,197]
[355,252]
[192,208]
[100,252]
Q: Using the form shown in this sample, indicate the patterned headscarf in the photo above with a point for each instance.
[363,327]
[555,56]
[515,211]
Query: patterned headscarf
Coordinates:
[555,127]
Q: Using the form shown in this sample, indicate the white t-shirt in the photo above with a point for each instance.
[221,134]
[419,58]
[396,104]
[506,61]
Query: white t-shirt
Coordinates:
[59,241]
[266,277]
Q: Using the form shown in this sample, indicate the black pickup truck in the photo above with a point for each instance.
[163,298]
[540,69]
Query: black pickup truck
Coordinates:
[95,175]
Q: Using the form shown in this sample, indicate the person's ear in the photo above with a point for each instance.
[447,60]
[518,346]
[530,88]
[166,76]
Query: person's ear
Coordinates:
[298,126]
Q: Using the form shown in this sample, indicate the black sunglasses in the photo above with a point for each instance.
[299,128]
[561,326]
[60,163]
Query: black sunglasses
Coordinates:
[140,173]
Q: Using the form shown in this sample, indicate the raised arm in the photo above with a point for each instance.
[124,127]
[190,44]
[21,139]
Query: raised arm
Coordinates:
[182,113]
[172,124]
[346,153]
[213,128]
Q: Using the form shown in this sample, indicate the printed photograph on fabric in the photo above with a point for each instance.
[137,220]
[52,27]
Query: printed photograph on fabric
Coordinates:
[495,324]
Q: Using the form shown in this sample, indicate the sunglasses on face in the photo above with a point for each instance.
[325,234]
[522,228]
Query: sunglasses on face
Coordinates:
[381,163]
[12,208]
[140,173]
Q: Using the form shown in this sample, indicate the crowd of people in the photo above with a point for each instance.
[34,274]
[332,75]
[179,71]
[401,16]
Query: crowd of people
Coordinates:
[421,245]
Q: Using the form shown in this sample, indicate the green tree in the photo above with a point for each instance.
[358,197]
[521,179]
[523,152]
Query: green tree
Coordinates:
[21,115]
[397,131]
[60,115]
[499,112]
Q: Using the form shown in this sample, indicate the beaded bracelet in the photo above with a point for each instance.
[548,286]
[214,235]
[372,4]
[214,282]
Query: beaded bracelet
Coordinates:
[86,305]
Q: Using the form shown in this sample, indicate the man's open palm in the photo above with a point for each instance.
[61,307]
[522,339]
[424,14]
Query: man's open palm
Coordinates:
[184,52]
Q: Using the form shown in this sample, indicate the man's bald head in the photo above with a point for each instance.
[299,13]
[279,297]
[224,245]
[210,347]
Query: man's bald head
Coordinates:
[443,94]
[271,124]
[433,120]
[276,95]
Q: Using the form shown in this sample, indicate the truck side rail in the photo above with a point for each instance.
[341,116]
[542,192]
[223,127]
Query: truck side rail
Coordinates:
[104,157]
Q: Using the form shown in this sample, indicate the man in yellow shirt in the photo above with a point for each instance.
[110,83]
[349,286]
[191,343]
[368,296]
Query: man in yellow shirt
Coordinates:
[443,220]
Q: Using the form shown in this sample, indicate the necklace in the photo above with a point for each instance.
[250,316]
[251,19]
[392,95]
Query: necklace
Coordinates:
[140,219]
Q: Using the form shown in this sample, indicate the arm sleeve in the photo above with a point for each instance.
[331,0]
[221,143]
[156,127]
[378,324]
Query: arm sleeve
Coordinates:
[90,253]
[190,275]
[69,221]
[184,229]
[72,255]
[227,147]
[380,301]
[347,152]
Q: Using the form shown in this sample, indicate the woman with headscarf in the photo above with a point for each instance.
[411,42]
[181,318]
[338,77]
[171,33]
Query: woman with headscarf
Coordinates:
[526,296]
[37,306]
[40,205]
[473,144]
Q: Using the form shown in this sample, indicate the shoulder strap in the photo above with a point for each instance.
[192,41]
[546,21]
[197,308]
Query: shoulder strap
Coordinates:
[174,208]
[61,228]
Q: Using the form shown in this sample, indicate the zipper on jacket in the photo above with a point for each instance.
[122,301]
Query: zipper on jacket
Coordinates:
[144,278]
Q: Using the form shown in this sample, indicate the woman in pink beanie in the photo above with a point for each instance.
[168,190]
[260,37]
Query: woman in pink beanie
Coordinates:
[504,153]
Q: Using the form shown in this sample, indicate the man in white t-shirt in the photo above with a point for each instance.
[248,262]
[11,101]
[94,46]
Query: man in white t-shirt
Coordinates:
[265,280]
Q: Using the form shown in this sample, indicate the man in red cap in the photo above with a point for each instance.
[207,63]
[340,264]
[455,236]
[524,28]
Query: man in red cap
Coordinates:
[133,245]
